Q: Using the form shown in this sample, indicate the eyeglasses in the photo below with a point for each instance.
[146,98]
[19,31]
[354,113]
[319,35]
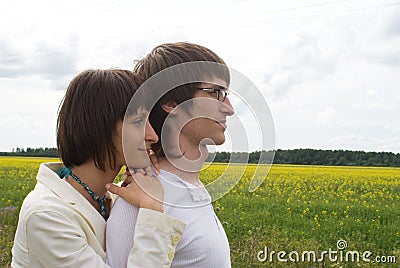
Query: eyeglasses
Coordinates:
[221,92]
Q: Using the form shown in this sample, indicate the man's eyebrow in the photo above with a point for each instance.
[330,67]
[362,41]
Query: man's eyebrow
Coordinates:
[211,85]
[220,87]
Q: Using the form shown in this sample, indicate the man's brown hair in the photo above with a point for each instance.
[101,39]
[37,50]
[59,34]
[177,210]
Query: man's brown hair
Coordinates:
[93,104]
[168,55]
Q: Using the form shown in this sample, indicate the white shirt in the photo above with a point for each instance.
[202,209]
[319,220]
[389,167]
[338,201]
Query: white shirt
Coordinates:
[203,243]
[58,227]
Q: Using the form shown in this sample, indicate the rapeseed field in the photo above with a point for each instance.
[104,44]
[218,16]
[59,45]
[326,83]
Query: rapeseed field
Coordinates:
[296,209]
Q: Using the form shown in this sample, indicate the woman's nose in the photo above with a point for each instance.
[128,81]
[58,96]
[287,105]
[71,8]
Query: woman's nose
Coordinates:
[150,135]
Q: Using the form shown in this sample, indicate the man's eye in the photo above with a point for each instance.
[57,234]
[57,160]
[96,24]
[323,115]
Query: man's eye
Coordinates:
[221,90]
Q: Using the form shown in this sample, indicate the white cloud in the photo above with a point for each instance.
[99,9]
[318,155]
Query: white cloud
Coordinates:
[354,142]
[326,117]
[43,59]
[327,69]
[28,115]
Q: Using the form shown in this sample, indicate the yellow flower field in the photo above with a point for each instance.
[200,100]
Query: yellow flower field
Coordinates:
[297,208]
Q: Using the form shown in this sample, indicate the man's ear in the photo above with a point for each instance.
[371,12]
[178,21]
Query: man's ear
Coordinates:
[169,107]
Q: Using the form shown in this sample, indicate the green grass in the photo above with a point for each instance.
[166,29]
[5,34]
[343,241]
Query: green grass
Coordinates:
[299,208]
[17,179]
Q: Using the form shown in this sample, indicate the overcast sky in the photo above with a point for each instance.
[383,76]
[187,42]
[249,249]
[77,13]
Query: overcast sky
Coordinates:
[329,70]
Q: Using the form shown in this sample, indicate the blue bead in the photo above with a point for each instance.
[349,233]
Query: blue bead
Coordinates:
[94,196]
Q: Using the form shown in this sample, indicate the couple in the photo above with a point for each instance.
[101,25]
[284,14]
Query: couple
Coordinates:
[62,222]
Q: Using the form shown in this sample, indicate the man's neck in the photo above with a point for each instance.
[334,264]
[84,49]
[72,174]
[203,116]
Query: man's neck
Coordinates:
[187,166]
[185,174]
[194,152]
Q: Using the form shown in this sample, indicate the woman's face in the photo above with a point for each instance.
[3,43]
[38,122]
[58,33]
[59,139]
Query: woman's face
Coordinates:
[135,137]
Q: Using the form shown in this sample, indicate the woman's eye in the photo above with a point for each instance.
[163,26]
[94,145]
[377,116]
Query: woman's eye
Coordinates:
[138,122]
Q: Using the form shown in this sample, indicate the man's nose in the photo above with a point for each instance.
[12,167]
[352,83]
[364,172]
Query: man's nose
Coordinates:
[227,107]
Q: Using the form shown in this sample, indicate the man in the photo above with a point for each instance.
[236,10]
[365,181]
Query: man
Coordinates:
[186,119]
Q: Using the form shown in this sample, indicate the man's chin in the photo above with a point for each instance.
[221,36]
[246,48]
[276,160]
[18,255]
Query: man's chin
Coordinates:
[219,141]
[213,141]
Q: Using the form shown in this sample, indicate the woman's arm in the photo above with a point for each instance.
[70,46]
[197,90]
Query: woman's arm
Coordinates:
[53,240]
[159,249]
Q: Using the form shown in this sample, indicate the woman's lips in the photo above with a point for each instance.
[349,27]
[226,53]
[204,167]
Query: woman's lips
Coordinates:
[148,151]
[222,124]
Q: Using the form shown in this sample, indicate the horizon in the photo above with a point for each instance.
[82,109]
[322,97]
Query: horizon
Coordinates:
[276,149]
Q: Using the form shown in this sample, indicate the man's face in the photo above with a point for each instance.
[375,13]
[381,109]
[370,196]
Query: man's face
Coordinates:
[208,115]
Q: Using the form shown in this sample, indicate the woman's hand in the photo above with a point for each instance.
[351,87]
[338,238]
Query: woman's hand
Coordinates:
[140,189]
[154,162]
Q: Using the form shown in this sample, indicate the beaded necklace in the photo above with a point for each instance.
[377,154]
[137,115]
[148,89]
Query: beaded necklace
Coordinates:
[66,172]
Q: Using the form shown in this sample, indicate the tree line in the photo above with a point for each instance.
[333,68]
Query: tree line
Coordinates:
[312,157]
[32,152]
[296,156]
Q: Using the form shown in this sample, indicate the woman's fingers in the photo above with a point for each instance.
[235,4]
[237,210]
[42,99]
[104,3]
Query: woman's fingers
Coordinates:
[154,162]
[148,171]
[143,191]
[149,184]
[115,189]
[140,171]
[127,178]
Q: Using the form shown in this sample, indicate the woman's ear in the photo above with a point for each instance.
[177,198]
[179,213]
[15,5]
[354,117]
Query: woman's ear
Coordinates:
[169,107]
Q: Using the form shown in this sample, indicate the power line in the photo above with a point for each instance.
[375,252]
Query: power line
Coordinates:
[297,17]
[102,5]
[55,52]
[288,9]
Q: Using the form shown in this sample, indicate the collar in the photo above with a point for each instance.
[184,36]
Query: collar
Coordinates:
[182,193]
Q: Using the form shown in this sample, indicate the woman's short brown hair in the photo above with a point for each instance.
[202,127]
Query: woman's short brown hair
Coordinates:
[93,104]
[168,55]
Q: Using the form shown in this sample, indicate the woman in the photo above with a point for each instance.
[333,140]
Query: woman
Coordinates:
[62,222]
